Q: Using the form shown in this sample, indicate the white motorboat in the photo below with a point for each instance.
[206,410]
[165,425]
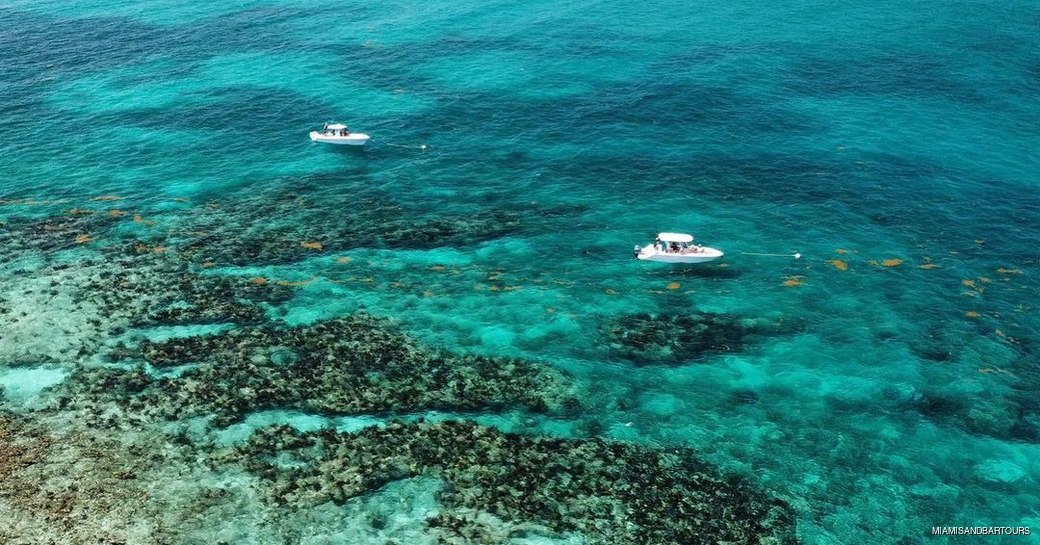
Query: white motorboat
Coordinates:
[676,248]
[338,133]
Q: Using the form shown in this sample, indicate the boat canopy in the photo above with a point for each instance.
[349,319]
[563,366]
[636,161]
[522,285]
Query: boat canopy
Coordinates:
[336,126]
[674,237]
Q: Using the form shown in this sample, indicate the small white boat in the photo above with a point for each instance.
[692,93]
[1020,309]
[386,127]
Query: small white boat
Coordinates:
[338,133]
[676,248]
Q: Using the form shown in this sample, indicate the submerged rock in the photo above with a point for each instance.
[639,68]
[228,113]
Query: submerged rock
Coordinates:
[999,471]
[612,493]
[676,338]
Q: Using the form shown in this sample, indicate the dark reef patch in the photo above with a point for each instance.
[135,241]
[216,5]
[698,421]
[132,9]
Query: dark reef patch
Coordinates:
[1007,418]
[33,234]
[358,364]
[152,290]
[612,493]
[270,227]
[884,74]
[678,338]
[244,234]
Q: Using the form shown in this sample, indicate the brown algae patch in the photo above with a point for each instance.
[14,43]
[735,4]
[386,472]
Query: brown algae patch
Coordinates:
[297,283]
[893,262]
[839,264]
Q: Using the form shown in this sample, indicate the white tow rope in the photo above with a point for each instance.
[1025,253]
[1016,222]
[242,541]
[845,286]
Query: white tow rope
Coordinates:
[794,255]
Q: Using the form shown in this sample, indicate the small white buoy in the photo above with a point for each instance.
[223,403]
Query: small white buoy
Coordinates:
[628,424]
[797,256]
[422,146]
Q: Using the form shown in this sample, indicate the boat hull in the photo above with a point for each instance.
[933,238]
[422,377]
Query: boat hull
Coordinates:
[701,256]
[352,139]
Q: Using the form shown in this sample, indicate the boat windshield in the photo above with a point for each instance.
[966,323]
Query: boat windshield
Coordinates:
[678,248]
[335,129]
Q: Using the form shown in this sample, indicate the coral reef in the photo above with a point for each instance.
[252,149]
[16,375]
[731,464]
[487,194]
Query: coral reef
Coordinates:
[357,364]
[679,338]
[70,487]
[612,493]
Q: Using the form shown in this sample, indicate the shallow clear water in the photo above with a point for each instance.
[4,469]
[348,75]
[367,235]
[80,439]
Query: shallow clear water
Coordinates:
[893,145]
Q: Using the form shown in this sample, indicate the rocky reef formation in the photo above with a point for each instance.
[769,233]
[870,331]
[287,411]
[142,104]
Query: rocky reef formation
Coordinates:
[609,492]
[150,289]
[352,365]
[98,460]
[283,227]
[108,273]
[270,227]
[646,338]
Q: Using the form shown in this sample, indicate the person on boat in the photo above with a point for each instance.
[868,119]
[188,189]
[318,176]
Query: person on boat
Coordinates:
[674,248]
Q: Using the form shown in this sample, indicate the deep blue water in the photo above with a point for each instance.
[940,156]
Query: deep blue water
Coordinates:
[894,145]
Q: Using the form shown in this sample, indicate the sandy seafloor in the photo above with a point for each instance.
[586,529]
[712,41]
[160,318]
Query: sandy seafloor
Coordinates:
[214,331]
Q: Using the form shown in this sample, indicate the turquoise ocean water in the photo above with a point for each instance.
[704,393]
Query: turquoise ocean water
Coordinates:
[894,145]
